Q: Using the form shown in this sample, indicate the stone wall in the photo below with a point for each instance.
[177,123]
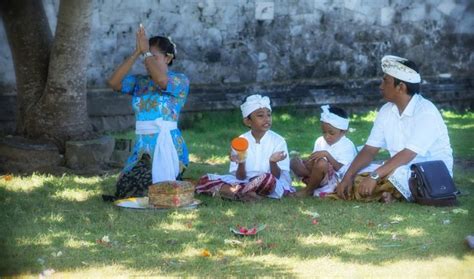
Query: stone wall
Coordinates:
[241,46]
[110,111]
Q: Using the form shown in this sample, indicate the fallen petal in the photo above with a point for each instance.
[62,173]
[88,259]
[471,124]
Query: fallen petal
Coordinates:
[460,211]
[47,272]
[8,177]
[205,253]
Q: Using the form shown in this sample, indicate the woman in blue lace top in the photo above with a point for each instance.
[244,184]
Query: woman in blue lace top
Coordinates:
[159,152]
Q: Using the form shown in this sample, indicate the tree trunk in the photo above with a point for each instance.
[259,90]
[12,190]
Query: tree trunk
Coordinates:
[51,80]
[61,113]
[30,42]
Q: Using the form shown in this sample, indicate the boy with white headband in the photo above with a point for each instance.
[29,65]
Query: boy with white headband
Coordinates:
[409,127]
[266,169]
[331,152]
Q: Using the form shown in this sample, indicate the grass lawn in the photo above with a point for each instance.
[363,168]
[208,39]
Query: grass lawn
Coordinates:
[59,226]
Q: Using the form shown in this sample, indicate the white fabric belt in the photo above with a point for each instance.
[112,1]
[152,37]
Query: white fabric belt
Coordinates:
[165,157]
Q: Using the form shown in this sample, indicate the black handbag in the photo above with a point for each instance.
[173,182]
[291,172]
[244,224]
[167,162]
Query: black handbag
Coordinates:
[431,184]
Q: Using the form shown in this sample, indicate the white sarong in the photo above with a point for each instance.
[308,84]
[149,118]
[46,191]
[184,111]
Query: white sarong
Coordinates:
[399,178]
[165,157]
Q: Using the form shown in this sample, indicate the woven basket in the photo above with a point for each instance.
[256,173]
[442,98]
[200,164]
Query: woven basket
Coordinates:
[171,194]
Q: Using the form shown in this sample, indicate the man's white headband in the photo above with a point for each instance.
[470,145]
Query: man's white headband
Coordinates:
[254,102]
[335,120]
[391,66]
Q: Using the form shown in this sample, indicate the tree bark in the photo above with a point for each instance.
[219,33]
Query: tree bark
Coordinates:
[51,77]
[62,109]
[30,39]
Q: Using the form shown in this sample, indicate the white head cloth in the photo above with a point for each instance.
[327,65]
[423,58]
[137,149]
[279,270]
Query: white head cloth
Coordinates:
[391,66]
[254,102]
[335,120]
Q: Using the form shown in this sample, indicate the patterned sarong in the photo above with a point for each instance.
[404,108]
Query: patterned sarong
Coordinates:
[135,182]
[262,185]
[383,185]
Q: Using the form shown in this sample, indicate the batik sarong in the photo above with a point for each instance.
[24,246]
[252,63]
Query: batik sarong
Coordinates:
[262,185]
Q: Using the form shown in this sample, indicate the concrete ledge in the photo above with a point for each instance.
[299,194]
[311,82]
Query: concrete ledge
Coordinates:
[89,154]
[19,154]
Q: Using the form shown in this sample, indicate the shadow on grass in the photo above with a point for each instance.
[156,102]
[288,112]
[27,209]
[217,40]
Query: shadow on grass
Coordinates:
[39,223]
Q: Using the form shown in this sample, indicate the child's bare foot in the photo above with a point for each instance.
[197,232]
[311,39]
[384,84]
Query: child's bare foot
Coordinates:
[387,198]
[302,194]
[290,194]
[249,197]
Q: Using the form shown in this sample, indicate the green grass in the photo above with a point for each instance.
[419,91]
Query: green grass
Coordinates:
[43,215]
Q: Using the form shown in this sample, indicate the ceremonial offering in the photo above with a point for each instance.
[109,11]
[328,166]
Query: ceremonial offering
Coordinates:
[239,146]
[244,231]
[171,194]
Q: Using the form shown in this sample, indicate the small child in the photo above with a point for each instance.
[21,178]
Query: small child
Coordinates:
[332,153]
[266,169]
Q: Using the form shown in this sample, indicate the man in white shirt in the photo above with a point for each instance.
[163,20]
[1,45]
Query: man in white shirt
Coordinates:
[409,126]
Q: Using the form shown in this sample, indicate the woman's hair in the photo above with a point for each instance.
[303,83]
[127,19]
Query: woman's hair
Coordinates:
[412,88]
[338,111]
[165,45]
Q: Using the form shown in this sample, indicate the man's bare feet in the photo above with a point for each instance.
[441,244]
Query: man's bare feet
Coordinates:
[387,198]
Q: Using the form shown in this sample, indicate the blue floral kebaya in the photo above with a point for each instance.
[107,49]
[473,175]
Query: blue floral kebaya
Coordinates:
[149,102]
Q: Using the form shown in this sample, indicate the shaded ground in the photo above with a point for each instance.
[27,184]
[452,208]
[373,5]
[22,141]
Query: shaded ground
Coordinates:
[464,164]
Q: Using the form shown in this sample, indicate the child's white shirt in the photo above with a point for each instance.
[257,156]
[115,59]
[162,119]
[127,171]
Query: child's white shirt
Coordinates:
[343,151]
[258,160]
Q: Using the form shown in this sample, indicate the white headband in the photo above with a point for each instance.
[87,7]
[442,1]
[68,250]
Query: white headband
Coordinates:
[254,102]
[391,65]
[335,120]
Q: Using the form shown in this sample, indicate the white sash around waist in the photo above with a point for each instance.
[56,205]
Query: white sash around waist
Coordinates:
[165,157]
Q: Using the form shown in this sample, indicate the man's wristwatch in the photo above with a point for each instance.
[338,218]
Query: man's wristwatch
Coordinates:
[147,54]
[374,175]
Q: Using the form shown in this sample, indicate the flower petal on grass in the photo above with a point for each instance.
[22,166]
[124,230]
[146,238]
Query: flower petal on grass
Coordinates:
[105,241]
[7,177]
[205,253]
[460,211]
[47,273]
[57,254]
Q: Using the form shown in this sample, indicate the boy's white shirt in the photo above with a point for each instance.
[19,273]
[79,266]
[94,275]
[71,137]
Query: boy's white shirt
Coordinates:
[343,151]
[258,160]
[258,154]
